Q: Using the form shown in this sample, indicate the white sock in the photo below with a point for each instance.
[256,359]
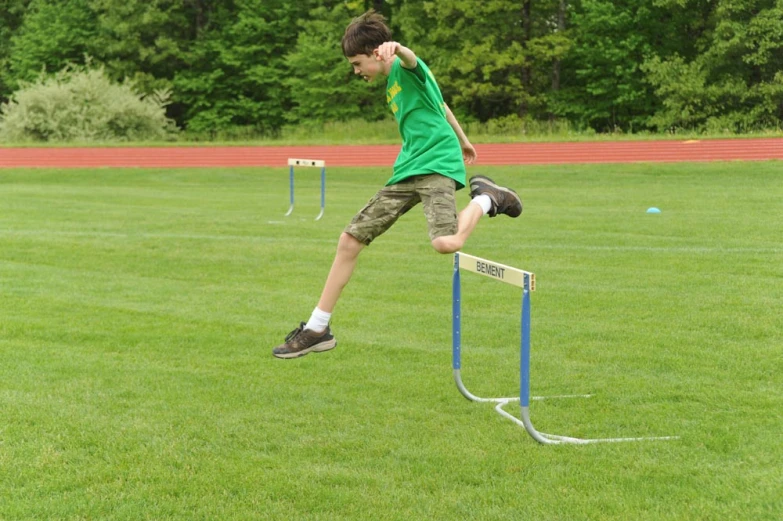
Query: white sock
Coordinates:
[319,320]
[484,202]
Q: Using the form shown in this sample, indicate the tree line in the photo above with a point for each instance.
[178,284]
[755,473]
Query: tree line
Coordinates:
[606,65]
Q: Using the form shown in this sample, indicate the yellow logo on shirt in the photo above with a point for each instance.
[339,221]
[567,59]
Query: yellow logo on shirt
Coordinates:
[391,93]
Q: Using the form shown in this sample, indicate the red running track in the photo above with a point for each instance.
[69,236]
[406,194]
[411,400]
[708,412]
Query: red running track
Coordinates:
[384,155]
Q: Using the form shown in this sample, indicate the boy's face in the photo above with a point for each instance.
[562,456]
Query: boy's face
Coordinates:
[367,66]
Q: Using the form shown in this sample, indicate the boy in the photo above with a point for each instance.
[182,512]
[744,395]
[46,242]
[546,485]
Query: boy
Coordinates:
[429,169]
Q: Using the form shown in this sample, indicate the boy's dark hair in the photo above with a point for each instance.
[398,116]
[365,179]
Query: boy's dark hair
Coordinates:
[365,33]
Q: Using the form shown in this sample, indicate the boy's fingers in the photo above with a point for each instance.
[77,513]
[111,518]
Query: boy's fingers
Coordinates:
[387,49]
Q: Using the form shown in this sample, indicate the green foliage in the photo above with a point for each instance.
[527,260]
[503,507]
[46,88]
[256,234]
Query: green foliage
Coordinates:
[486,64]
[259,65]
[736,84]
[322,85]
[236,68]
[11,16]
[81,104]
[53,33]
[145,41]
[603,87]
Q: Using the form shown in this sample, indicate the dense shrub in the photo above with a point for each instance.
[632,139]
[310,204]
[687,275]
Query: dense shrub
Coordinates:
[83,104]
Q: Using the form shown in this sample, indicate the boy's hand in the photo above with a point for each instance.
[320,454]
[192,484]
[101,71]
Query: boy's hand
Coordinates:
[469,153]
[387,51]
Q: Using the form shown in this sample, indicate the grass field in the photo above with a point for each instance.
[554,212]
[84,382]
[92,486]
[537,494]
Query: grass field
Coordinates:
[138,310]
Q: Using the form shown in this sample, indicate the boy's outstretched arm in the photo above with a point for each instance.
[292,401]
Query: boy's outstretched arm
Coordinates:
[386,53]
[468,152]
[388,50]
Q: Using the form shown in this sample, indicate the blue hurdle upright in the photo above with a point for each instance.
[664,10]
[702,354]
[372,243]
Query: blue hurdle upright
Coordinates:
[311,163]
[527,281]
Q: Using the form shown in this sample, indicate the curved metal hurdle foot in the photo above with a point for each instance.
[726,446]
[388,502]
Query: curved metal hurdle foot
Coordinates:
[472,397]
[291,188]
[323,190]
[553,439]
[526,281]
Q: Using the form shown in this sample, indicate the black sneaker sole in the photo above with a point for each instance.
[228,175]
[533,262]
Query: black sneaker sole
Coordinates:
[316,348]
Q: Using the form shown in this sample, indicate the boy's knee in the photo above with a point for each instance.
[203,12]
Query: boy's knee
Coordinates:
[446,245]
[349,244]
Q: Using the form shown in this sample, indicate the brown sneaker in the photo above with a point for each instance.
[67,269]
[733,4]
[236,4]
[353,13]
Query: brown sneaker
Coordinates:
[504,200]
[301,341]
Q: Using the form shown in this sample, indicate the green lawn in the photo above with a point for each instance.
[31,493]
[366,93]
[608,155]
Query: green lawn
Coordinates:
[138,309]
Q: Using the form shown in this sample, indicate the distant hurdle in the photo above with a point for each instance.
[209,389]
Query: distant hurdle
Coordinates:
[309,163]
[527,281]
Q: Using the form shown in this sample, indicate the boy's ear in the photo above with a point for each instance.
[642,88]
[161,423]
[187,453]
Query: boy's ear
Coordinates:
[375,54]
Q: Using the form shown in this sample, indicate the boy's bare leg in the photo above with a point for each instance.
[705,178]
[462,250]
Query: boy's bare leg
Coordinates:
[307,338]
[466,222]
[348,249]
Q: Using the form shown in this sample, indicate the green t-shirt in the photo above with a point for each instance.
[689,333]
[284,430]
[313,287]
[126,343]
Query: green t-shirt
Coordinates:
[429,144]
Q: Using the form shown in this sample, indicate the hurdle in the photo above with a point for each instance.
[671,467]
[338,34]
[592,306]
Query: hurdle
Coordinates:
[527,281]
[309,163]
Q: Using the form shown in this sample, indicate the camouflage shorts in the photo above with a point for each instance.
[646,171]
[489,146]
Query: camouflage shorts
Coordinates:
[435,191]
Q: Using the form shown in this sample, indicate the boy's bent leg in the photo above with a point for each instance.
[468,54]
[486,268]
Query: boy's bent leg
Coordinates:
[448,231]
[466,222]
